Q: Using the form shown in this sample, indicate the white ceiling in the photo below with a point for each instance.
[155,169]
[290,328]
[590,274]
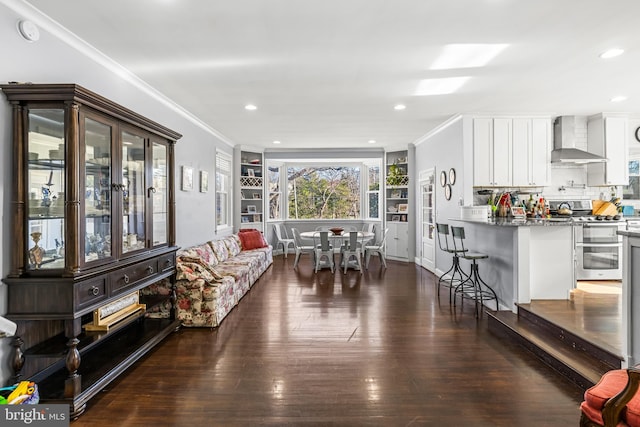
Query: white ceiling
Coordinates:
[327,73]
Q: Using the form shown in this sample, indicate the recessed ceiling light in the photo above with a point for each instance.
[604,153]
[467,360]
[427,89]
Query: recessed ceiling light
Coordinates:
[611,53]
[372,141]
[468,55]
[442,86]
[250,107]
[618,98]
[399,107]
[276,142]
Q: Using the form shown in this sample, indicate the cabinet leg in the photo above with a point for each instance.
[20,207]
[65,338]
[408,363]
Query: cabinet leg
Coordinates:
[72,385]
[18,358]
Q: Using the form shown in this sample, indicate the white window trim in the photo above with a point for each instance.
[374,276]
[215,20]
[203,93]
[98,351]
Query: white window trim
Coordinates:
[229,158]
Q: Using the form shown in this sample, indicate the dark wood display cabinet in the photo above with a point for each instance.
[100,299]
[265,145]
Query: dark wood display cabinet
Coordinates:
[93,226]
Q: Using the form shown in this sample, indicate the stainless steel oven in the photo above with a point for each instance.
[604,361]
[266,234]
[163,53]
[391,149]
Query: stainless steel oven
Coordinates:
[599,250]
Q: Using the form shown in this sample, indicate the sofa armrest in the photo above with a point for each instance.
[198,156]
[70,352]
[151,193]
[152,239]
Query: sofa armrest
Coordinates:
[614,406]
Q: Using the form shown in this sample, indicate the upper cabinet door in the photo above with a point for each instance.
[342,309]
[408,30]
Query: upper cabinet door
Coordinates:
[132,191]
[607,136]
[540,152]
[45,199]
[97,186]
[483,152]
[158,193]
[616,150]
[502,143]
[521,151]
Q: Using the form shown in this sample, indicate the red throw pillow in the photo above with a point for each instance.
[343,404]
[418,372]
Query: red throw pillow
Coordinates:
[251,238]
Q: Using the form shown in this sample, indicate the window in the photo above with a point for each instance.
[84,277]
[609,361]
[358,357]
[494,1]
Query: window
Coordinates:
[632,191]
[323,192]
[275,194]
[373,191]
[223,190]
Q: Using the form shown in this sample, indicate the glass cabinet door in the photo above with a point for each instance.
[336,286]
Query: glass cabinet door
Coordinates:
[159,193]
[45,189]
[132,193]
[98,179]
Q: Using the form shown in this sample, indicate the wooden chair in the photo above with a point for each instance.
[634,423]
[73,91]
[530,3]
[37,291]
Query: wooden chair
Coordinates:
[613,401]
[283,239]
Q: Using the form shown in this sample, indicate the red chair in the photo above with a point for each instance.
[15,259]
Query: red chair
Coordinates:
[613,401]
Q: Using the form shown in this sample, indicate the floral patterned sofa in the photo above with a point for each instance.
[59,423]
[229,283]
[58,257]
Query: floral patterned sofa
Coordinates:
[211,278]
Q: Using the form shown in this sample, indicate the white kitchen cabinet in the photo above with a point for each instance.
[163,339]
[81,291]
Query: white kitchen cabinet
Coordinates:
[511,152]
[398,240]
[531,150]
[607,137]
[491,152]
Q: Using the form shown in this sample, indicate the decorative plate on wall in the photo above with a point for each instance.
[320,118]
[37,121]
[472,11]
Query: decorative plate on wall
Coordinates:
[443,178]
[452,176]
[447,192]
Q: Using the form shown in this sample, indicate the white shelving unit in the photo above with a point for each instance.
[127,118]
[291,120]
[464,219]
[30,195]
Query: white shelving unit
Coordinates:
[397,214]
[251,190]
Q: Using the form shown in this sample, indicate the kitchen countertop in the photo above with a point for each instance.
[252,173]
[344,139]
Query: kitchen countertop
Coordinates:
[529,222]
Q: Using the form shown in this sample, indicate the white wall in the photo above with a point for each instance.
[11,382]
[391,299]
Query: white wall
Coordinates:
[444,149]
[51,60]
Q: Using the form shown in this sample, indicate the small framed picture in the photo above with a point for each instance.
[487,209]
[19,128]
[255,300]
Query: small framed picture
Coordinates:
[395,218]
[204,181]
[403,207]
[257,196]
[251,209]
[245,219]
[251,172]
[256,218]
[403,218]
[187,178]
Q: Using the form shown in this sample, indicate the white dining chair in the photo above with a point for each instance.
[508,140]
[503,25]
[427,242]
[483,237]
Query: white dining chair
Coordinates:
[323,251]
[352,249]
[283,239]
[378,248]
[300,246]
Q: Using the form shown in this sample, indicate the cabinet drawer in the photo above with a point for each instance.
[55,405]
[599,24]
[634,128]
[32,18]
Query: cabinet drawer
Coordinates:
[167,262]
[91,292]
[128,277]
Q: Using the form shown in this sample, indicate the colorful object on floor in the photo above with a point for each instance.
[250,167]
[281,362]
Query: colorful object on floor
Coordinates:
[23,393]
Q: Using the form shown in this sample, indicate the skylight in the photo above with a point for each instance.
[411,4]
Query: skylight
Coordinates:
[441,86]
[468,55]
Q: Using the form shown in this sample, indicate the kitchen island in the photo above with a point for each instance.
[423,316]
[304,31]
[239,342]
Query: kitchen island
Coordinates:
[630,297]
[528,259]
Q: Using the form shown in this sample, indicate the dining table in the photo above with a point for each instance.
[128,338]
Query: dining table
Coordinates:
[338,238]
[363,236]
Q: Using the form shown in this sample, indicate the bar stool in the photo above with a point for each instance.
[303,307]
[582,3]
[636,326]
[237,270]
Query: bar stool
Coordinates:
[473,287]
[443,235]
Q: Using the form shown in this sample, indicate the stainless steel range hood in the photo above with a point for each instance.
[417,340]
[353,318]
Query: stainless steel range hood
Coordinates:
[564,144]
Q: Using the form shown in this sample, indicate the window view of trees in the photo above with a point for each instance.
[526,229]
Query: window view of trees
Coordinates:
[327,192]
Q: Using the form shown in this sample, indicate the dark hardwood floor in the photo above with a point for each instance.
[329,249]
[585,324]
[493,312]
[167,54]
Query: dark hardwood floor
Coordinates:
[339,350]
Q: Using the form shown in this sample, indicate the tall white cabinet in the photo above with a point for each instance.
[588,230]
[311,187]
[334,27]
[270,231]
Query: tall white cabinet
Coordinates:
[398,214]
[607,137]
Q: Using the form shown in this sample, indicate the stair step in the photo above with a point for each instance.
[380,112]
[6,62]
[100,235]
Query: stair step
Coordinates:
[601,352]
[582,364]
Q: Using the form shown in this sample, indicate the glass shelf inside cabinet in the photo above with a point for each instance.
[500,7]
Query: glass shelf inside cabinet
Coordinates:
[159,193]
[133,192]
[97,190]
[45,189]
